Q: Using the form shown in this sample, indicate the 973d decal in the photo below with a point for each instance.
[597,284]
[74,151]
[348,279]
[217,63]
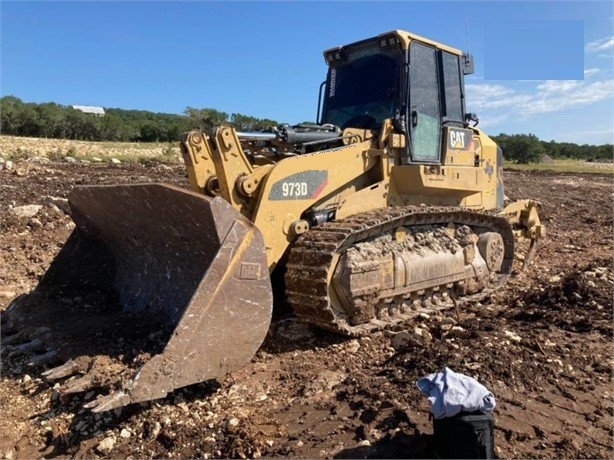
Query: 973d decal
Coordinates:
[305,185]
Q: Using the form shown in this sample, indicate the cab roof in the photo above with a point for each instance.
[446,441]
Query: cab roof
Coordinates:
[405,38]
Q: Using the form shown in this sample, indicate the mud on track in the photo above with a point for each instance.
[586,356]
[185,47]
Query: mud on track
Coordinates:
[543,345]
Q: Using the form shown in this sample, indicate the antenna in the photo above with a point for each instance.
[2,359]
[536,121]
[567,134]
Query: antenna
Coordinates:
[466,32]
[468,68]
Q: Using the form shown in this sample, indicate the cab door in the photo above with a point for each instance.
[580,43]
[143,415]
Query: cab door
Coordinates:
[424,103]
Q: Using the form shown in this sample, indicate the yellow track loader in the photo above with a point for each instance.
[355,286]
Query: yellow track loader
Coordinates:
[390,204]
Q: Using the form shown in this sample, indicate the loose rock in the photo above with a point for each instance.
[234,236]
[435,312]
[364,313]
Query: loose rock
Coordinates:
[234,422]
[7,294]
[61,203]
[512,336]
[418,337]
[106,445]
[447,323]
[35,223]
[353,346]
[29,210]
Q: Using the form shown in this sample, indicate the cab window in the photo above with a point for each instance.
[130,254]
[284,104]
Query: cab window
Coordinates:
[452,102]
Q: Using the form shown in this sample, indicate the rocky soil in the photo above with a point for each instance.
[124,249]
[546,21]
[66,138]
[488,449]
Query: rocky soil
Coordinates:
[85,151]
[542,345]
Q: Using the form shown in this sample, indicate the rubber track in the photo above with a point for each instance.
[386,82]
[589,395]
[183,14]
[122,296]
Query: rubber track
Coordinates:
[312,257]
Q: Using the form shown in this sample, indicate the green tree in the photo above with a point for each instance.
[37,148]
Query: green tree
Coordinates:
[243,122]
[205,119]
[151,132]
[10,106]
[111,127]
[605,151]
[51,119]
[522,148]
[28,121]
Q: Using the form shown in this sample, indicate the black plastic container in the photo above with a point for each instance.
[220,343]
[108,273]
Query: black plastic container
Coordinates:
[466,435]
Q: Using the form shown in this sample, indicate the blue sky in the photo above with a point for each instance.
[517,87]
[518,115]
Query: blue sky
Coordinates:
[265,58]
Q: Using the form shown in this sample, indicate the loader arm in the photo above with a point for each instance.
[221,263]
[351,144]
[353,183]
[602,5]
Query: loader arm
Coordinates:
[276,197]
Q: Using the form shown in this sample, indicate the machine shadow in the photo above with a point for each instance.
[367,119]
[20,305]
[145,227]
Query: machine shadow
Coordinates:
[399,445]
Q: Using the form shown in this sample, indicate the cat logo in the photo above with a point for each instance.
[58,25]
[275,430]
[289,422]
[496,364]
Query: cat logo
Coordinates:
[459,139]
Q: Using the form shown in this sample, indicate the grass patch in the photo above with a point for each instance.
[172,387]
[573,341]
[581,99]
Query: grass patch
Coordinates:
[564,165]
[16,155]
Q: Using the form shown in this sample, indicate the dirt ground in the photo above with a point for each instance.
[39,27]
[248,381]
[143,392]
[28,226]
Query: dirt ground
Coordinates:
[542,345]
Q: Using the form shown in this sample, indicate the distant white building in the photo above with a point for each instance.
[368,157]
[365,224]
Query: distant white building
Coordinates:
[89,109]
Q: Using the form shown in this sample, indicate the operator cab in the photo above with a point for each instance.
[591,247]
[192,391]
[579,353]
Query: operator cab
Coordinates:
[415,81]
[362,88]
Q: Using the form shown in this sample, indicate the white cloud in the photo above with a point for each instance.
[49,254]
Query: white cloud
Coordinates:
[542,106]
[492,120]
[549,96]
[603,44]
[490,96]
[558,86]
[555,96]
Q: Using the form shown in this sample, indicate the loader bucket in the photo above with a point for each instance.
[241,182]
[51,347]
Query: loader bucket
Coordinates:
[172,285]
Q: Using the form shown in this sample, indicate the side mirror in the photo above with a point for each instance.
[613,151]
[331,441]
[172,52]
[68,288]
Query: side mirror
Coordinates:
[472,117]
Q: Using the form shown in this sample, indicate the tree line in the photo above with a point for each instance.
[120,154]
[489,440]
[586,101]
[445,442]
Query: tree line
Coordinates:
[528,148]
[52,120]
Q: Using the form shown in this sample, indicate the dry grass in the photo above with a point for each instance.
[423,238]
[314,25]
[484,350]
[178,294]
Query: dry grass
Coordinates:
[565,165]
[12,147]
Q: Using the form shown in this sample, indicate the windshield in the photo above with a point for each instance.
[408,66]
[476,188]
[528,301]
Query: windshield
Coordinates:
[362,92]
